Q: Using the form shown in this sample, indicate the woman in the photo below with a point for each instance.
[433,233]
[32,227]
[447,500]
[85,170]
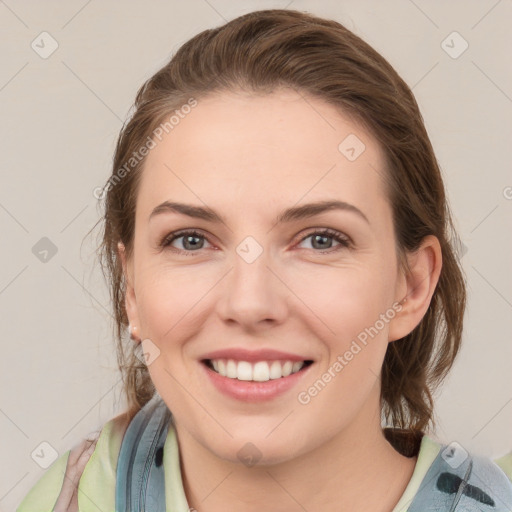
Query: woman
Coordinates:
[277,241]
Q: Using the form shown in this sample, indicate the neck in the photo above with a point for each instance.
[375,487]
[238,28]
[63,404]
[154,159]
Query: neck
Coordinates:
[356,470]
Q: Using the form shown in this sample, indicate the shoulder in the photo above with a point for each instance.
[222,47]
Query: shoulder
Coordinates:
[90,464]
[43,496]
[469,481]
[446,475]
[505,463]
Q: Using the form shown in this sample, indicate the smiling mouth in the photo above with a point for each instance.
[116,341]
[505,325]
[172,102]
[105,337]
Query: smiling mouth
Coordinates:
[260,371]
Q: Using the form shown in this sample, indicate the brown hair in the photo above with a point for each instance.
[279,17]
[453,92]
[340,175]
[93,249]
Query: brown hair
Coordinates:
[260,52]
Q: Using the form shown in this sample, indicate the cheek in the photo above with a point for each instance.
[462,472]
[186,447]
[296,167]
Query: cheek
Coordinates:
[351,304]
[346,300]
[168,303]
[168,299]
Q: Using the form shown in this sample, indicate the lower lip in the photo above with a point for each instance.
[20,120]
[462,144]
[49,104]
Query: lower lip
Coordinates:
[251,391]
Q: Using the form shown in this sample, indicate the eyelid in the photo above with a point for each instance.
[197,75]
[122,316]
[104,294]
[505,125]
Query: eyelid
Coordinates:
[327,232]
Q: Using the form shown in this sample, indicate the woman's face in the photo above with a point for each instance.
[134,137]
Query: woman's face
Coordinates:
[264,285]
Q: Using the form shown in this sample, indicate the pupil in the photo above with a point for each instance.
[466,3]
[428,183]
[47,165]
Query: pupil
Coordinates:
[189,237]
[319,237]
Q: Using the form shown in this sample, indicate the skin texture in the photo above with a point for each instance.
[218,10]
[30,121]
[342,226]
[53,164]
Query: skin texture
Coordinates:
[249,158]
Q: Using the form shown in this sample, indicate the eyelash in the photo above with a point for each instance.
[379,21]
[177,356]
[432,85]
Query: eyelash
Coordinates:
[343,240]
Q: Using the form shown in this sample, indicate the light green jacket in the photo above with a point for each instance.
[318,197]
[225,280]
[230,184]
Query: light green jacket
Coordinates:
[98,461]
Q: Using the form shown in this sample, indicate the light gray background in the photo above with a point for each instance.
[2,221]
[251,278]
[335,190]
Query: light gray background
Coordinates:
[60,119]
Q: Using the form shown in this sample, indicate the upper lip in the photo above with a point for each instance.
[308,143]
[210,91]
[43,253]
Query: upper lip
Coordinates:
[242,354]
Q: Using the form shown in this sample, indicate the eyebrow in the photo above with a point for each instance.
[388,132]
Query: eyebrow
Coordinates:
[289,215]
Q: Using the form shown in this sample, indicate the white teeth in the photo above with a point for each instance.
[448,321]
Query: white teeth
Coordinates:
[231,369]
[244,371]
[297,366]
[275,370]
[287,368]
[259,372]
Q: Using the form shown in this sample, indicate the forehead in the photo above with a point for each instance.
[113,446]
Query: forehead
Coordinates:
[278,147]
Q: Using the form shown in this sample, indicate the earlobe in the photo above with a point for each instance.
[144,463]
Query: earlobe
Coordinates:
[420,282]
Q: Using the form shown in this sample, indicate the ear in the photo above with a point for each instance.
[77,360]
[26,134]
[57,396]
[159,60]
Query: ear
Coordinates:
[415,289]
[130,300]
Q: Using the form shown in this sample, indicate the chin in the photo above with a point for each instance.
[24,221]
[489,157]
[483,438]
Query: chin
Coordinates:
[257,450]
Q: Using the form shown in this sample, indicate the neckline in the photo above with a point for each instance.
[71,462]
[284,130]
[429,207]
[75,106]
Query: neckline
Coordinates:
[411,443]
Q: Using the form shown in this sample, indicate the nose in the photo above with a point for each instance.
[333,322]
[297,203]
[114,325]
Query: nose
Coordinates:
[253,295]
